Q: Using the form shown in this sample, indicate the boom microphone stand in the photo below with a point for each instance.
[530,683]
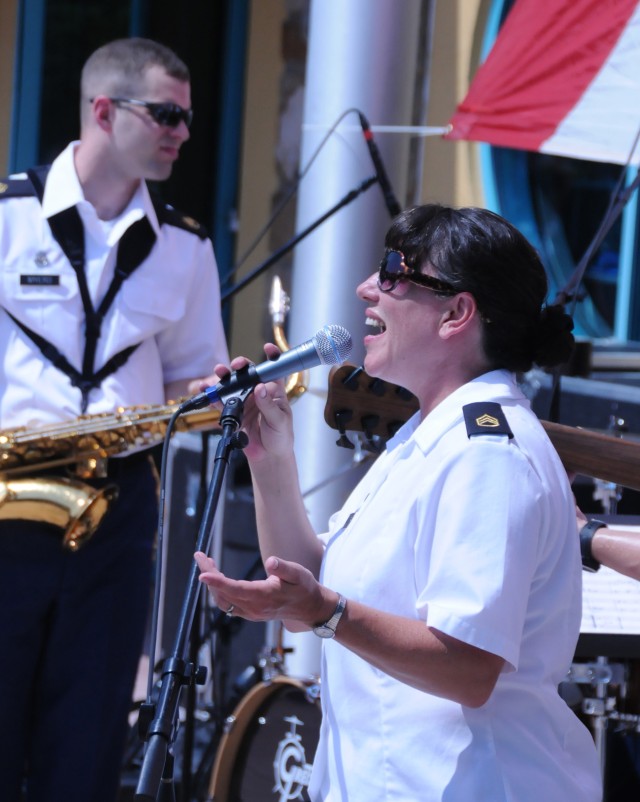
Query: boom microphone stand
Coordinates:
[158,722]
[350,196]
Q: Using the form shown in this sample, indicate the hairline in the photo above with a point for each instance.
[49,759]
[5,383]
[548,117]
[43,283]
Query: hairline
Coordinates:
[119,67]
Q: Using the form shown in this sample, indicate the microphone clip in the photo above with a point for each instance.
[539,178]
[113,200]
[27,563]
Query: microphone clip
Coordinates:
[233,411]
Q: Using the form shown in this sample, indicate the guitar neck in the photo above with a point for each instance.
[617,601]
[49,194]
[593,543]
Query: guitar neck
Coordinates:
[599,455]
[357,402]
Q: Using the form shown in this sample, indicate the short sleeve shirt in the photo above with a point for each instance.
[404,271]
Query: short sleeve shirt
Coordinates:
[475,536]
[170,306]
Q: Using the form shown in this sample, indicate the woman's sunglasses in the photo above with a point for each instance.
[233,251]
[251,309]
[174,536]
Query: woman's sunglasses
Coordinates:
[169,114]
[394,269]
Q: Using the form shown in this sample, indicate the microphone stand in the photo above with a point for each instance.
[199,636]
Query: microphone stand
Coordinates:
[295,240]
[158,721]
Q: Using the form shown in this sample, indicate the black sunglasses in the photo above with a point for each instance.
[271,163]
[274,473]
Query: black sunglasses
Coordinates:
[394,269]
[169,114]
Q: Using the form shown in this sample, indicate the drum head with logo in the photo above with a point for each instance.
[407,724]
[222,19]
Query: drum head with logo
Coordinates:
[268,750]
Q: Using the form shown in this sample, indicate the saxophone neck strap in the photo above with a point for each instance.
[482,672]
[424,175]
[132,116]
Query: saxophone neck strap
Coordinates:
[134,247]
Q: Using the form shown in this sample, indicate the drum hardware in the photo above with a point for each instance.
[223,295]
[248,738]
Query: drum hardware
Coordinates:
[271,660]
[606,708]
[604,675]
[609,494]
[597,673]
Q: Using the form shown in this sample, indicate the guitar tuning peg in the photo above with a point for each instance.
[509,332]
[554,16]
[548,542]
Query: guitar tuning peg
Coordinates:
[405,395]
[342,417]
[372,446]
[378,387]
[344,442]
[352,380]
[393,426]
[369,423]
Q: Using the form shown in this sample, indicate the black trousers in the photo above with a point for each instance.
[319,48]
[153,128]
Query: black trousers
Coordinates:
[71,632]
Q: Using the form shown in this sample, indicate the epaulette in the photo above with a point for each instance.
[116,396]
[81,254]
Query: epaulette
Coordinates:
[172,217]
[485,417]
[16,188]
[24,187]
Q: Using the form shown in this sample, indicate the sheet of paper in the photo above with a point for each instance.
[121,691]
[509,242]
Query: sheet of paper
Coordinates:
[610,601]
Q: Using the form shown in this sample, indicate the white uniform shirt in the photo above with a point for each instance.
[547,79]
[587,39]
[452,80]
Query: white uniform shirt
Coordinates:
[476,537]
[170,304]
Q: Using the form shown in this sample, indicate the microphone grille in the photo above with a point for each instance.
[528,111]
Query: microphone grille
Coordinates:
[333,344]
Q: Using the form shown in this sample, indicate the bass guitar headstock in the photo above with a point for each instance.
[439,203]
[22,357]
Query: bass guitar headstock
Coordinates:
[357,402]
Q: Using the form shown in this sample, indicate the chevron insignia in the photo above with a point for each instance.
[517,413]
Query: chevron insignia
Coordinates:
[485,417]
[487,420]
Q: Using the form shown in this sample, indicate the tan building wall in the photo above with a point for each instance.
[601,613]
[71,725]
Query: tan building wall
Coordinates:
[258,171]
[451,170]
[8,21]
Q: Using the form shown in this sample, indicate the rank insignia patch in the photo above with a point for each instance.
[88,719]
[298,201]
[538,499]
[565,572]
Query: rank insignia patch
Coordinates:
[485,417]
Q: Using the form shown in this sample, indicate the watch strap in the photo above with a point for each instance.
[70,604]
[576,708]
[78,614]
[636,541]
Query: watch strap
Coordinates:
[329,627]
[589,562]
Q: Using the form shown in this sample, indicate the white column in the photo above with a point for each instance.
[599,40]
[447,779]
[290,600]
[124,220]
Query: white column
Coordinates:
[362,54]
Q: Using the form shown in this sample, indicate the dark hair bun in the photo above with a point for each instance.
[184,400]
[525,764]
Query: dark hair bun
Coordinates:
[553,341]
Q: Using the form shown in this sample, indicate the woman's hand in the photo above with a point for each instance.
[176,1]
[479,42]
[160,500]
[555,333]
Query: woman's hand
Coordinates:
[290,593]
[267,419]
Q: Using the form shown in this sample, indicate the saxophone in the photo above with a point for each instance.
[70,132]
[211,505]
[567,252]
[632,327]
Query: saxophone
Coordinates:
[85,444]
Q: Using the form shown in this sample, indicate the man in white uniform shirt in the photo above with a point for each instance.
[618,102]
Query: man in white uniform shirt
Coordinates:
[109,299]
[447,589]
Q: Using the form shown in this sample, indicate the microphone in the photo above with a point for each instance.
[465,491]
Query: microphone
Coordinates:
[390,199]
[329,346]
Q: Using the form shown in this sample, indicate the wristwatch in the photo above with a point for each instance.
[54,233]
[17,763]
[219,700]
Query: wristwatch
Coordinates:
[589,562]
[328,629]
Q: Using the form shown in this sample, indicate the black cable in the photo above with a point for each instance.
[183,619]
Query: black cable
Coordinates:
[288,196]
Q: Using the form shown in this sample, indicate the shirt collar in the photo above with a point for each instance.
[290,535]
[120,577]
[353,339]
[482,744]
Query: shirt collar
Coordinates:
[63,190]
[497,385]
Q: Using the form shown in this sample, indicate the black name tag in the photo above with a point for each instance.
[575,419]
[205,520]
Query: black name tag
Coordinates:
[39,281]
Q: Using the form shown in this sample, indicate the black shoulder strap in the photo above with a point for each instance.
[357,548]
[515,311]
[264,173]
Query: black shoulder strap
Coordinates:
[134,247]
[50,352]
[37,176]
[58,360]
[15,188]
[485,417]
[66,227]
[167,215]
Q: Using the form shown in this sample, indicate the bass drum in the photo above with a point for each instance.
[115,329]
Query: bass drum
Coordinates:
[269,744]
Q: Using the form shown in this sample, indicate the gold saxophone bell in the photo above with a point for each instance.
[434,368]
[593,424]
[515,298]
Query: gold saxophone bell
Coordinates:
[74,506]
[279,304]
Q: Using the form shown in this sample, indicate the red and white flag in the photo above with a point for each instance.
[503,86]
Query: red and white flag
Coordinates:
[563,77]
